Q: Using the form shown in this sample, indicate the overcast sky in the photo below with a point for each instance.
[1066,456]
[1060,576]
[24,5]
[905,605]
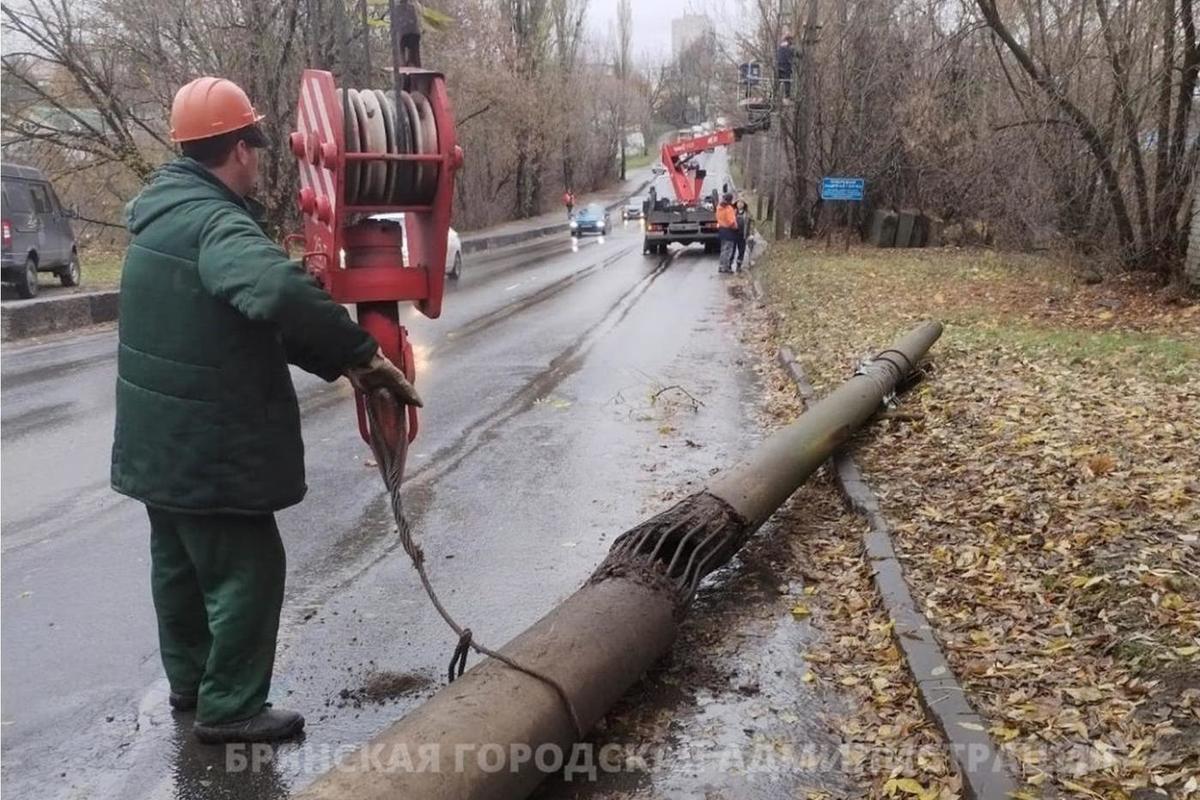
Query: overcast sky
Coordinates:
[651,23]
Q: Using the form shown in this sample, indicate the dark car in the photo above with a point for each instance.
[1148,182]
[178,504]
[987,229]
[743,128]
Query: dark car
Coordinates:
[590,219]
[37,235]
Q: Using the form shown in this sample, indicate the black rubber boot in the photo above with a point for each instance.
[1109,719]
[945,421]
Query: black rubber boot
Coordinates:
[182,702]
[268,725]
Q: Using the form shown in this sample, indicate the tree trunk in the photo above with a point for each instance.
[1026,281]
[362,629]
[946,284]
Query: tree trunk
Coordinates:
[1131,253]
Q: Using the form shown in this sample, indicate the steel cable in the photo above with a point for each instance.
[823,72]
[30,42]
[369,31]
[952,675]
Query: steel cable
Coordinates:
[391,469]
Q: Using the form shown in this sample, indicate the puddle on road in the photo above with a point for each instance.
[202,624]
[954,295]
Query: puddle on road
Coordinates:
[728,713]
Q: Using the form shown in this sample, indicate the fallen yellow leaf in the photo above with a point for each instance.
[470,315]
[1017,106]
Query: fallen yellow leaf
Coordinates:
[1173,602]
[1075,787]
[1004,734]
[1085,694]
[895,786]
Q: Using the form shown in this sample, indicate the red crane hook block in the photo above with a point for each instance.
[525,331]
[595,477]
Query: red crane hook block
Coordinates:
[366,152]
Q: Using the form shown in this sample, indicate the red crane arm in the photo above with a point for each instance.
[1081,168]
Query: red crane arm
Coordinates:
[686,178]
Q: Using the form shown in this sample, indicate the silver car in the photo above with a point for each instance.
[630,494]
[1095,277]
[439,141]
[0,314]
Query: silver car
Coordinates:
[454,259]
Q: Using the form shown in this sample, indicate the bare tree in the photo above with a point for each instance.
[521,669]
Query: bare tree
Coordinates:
[568,17]
[624,39]
[1075,118]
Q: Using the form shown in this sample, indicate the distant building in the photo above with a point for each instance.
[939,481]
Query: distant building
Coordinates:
[635,141]
[688,29]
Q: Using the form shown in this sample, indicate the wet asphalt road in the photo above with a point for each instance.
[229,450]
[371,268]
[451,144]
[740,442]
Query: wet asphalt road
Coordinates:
[540,443]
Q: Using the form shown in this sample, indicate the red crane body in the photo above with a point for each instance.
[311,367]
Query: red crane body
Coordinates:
[350,166]
[686,219]
[686,179]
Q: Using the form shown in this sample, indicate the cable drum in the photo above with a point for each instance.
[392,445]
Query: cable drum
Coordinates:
[353,143]
[408,112]
[376,124]
[426,183]
[373,185]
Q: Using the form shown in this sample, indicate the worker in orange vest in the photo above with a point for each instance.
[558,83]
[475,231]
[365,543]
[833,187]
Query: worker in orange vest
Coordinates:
[727,230]
[569,201]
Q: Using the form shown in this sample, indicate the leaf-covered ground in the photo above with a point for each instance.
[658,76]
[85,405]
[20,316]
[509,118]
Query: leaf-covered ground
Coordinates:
[1046,502]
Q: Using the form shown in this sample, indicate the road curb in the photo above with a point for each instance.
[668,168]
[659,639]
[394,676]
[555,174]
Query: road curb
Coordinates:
[984,770]
[483,243]
[72,312]
[57,314]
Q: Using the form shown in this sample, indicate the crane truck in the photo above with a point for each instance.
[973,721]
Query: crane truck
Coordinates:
[691,216]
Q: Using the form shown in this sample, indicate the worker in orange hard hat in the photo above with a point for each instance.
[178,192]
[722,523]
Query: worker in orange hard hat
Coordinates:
[208,427]
[213,122]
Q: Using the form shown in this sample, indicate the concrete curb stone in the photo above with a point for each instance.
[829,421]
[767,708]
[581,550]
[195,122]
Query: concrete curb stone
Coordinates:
[985,771]
[57,314]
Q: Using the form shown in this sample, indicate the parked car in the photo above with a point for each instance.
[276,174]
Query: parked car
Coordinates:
[454,259]
[593,218]
[37,234]
[633,209]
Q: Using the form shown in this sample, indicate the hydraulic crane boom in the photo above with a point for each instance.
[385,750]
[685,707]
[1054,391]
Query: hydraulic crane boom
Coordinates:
[686,178]
[686,220]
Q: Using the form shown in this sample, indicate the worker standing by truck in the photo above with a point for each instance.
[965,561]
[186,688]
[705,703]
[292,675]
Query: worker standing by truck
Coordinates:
[785,57]
[742,209]
[207,423]
[727,229]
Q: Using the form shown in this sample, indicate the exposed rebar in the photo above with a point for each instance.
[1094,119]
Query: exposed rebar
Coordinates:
[677,548]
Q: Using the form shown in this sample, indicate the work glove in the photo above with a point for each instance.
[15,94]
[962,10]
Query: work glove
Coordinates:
[380,372]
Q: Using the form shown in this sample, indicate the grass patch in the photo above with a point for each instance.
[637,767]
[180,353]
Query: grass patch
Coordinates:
[639,161]
[1018,302]
[101,268]
[1158,356]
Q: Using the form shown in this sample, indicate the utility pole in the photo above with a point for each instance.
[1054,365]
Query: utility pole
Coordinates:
[774,144]
[760,194]
[585,653]
[779,194]
[803,122]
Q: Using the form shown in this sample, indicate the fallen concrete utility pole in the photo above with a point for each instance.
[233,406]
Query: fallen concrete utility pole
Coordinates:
[496,732]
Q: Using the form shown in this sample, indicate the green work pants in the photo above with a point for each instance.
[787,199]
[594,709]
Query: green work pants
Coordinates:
[217,581]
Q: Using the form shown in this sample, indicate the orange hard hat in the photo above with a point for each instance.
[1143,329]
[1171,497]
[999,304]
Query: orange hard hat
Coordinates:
[209,107]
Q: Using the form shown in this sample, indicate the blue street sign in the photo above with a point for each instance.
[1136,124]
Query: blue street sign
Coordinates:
[843,188]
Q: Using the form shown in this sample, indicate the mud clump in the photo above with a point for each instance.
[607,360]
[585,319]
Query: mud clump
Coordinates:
[383,687]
